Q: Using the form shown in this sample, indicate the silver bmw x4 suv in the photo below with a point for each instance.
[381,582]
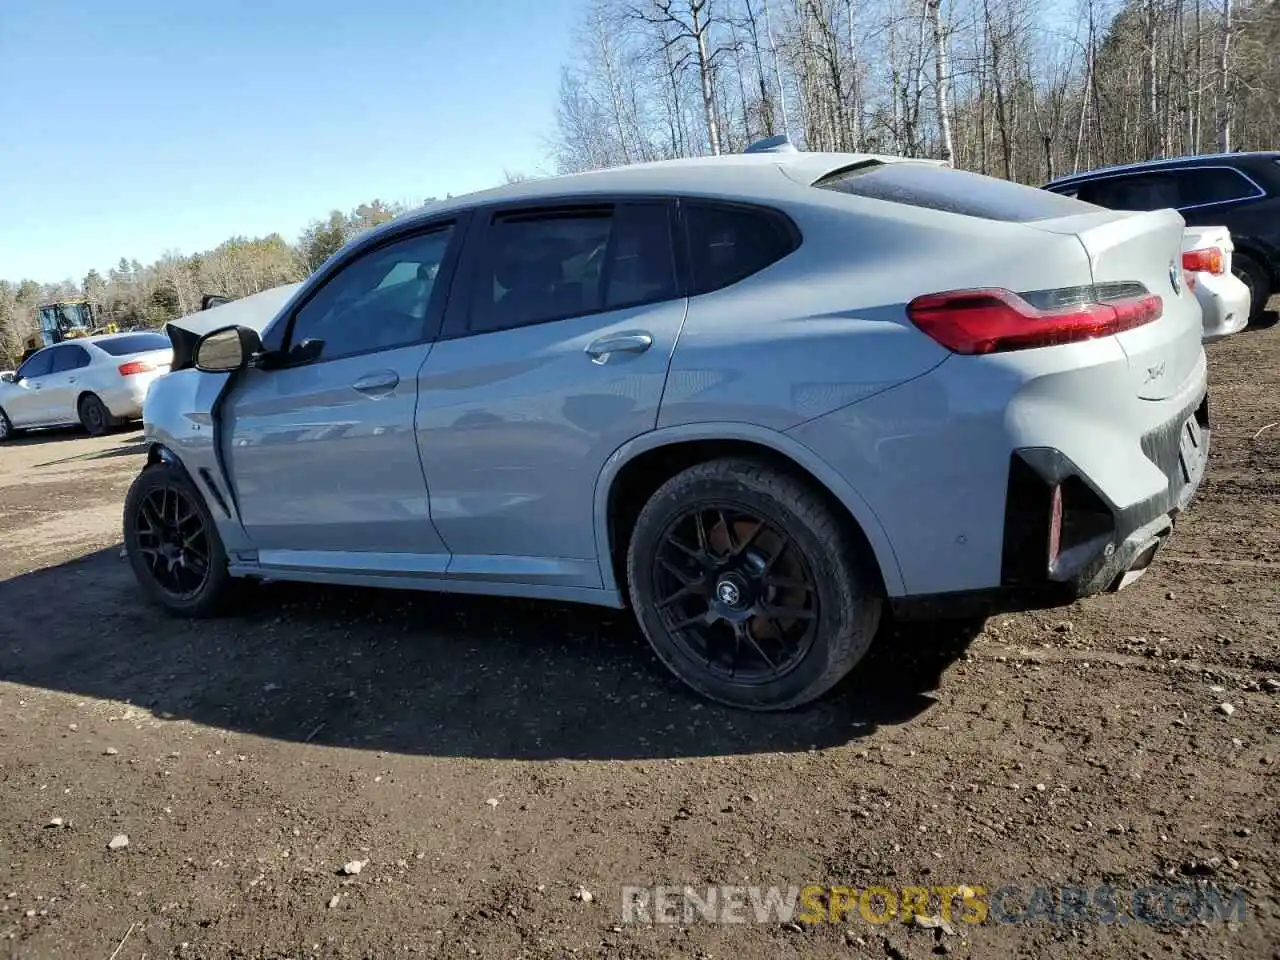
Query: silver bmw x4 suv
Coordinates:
[763,400]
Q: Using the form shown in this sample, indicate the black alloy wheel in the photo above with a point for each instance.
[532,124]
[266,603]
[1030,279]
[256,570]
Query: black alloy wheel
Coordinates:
[749,586]
[173,540]
[173,545]
[735,592]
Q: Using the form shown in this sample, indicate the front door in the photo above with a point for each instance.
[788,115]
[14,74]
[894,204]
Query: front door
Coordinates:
[557,358]
[25,401]
[320,449]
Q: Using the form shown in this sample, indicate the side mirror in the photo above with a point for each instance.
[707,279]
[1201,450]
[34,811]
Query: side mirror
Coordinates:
[227,350]
[9,377]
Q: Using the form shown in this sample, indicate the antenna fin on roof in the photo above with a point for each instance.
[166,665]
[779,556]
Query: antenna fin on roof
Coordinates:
[779,144]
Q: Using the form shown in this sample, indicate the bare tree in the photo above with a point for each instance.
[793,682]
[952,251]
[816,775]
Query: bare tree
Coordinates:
[689,23]
[942,79]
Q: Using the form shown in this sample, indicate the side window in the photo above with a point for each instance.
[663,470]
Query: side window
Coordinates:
[728,244]
[1213,185]
[1145,192]
[66,359]
[37,365]
[641,266]
[538,267]
[376,302]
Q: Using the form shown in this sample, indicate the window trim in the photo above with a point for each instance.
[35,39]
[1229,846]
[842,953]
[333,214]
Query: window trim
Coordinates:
[277,336]
[686,273]
[457,324]
[1076,184]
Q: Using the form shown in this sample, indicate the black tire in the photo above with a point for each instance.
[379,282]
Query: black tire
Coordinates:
[94,415]
[838,608]
[1254,276]
[167,565]
[7,431]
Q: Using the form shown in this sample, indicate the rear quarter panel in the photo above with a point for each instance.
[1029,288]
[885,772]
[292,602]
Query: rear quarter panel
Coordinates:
[826,326]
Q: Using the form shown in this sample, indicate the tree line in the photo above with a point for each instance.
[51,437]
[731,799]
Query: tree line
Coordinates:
[1013,88]
[133,295]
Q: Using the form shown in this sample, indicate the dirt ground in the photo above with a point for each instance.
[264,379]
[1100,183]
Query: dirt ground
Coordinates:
[489,761]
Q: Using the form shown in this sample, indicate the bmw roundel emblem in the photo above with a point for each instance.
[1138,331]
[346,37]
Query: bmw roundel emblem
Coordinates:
[1175,277]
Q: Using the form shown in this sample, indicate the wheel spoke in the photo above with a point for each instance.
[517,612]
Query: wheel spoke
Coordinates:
[703,543]
[786,583]
[691,552]
[148,512]
[759,649]
[688,590]
[690,621]
[773,559]
[784,613]
[684,578]
[749,539]
[728,533]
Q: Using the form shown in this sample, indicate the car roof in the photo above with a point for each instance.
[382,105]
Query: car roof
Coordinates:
[1196,160]
[762,176]
[98,338]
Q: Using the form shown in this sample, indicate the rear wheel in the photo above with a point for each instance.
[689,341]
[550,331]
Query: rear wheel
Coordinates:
[173,545]
[94,416]
[748,587]
[1252,274]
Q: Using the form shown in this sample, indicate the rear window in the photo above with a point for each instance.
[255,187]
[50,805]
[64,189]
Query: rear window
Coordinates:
[133,343]
[952,191]
[1214,185]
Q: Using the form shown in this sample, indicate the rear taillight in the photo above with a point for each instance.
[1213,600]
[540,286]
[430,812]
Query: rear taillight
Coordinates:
[1208,260]
[996,321]
[137,366]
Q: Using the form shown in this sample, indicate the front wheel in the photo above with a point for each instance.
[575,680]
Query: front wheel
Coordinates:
[173,545]
[6,426]
[748,586]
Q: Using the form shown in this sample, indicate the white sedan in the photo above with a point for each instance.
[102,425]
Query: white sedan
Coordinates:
[98,382]
[1224,298]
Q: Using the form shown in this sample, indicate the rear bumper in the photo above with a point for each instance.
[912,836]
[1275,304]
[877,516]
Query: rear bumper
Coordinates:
[1224,304]
[125,398]
[1098,548]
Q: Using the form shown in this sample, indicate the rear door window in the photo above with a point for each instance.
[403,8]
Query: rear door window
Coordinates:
[69,358]
[730,243]
[1148,191]
[1213,185]
[539,266]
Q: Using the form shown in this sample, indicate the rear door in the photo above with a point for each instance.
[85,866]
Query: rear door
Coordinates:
[61,387]
[555,357]
[320,448]
[25,402]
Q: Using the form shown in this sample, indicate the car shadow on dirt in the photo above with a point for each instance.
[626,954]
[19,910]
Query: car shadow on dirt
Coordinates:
[422,673]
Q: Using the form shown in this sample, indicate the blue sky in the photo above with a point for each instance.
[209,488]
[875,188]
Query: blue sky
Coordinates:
[135,127]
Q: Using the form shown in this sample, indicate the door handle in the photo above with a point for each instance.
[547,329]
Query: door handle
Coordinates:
[599,350]
[377,384]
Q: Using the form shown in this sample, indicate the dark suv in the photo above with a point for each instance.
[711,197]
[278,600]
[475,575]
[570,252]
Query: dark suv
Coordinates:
[1239,191]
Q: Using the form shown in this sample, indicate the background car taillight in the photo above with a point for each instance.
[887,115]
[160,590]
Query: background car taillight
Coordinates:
[137,366]
[1208,260]
[993,320]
